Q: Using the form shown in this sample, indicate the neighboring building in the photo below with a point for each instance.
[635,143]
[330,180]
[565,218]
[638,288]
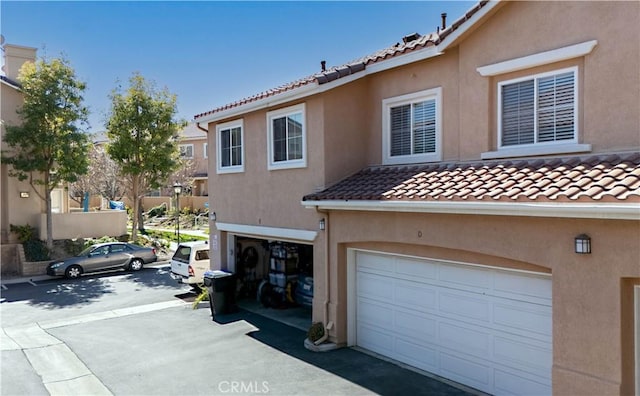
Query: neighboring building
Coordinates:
[19,203]
[193,147]
[439,192]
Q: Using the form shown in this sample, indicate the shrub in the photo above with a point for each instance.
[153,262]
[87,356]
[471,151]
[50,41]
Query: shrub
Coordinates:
[159,210]
[25,233]
[316,331]
[35,250]
[74,246]
[91,242]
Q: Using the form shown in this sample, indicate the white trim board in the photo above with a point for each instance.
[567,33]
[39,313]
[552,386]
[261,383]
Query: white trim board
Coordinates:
[564,210]
[289,234]
[541,58]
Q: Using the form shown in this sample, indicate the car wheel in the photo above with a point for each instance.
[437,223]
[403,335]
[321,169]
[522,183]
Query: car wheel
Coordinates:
[135,265]
[73,272]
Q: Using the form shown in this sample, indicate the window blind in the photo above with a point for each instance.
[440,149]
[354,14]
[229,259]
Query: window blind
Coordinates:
[538,110]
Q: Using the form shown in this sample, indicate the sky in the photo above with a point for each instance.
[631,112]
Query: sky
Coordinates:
[210,53]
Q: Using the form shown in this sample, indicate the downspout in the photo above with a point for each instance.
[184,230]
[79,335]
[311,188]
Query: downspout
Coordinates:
[327,273]
[201,128]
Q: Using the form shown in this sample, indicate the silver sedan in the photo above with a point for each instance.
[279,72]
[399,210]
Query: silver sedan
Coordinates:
[103,256]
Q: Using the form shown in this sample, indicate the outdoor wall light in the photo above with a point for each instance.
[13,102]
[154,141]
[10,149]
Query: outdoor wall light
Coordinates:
[24,194]
[213,216]
[321,224]
[583,244]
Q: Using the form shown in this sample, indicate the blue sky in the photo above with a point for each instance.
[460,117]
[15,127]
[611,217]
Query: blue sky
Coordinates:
[211,53]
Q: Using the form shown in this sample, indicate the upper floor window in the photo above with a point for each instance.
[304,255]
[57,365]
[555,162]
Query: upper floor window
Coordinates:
[538,110]
[412,127]
[230,156]
[186,151]
[205,148]
[287,138]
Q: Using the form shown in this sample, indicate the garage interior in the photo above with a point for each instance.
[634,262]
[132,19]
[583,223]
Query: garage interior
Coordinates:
[275,279]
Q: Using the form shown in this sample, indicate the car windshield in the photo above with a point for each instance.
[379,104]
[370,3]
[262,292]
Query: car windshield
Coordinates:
[86,251]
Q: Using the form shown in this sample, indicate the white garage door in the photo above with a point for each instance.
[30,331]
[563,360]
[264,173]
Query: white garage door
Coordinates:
[483,327]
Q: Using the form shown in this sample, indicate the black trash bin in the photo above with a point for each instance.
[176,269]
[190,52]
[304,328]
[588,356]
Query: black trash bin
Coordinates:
[221,287]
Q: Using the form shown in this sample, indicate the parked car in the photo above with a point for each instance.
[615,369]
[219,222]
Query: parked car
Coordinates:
[103,256]
[189,263]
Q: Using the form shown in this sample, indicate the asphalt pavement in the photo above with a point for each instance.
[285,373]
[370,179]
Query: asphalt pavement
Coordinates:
[89,337]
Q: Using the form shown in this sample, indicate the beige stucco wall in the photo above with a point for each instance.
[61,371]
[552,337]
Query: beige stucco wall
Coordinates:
[587,293]
[85,224]
[14,209]
[608,75]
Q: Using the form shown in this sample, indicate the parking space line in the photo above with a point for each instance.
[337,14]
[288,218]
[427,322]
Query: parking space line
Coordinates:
[110,314]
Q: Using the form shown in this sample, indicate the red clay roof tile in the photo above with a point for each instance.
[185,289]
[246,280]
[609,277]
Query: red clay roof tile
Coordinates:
[606,178]
[355,66]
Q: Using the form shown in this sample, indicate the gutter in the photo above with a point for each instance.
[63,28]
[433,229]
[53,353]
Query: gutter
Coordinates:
[630,211]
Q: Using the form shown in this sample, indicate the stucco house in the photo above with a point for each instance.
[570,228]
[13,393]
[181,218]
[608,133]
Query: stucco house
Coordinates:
[467,201]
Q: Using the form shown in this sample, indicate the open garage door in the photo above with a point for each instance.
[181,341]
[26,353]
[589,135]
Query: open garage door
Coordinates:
[480,326]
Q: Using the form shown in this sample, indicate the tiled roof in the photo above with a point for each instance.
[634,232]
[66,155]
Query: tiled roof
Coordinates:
[599,178]
[357,65]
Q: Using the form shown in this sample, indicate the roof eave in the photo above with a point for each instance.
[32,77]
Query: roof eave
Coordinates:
[610,211]
[7,83]
[467,25]
[315,88]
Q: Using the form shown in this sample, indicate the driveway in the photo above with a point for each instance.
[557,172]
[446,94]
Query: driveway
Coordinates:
[167,348]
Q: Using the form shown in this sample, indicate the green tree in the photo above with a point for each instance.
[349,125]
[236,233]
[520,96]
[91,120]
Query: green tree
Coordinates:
[49,147]
[143,138]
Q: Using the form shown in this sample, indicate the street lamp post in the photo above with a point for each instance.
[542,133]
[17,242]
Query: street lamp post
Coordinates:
[177,188]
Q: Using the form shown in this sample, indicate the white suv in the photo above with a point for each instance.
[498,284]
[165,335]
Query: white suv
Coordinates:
[189,263]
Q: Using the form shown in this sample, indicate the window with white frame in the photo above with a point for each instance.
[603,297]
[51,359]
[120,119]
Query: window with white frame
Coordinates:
[186,151]
[230,153]
[205,148]
[412,127]
[538,110]
[287,138]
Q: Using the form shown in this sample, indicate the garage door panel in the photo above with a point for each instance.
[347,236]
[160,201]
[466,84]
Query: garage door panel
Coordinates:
[466,371]
[529,319]
[375,263]
[488,328]
[477,278]
[464,306]
[418,355]
[418,327]
[517,285]
[417,296]
[375,287]
[375,313]
[418,270]
[524,356]
[468,340]
[513,383]
[376,339]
